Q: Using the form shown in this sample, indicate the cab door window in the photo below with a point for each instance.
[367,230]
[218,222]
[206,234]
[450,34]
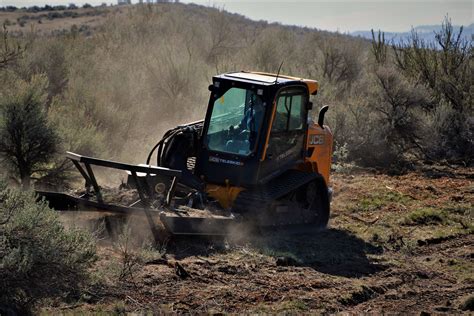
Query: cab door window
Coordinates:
[290,111]
[287,133]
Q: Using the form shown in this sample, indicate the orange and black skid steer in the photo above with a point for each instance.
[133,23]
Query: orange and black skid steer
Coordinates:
[256,158]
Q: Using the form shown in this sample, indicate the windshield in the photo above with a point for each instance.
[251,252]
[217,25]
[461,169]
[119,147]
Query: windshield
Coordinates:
[235,122]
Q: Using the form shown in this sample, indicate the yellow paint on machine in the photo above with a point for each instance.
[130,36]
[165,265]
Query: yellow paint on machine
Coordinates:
[320,160]
[225,195]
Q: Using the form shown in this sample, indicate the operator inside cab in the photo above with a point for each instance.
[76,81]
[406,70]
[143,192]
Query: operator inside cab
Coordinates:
[235,121]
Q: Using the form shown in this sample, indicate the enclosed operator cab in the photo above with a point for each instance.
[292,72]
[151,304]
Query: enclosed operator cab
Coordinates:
[257,127]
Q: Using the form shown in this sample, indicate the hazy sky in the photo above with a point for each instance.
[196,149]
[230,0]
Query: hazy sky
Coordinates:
[345,15]
[351,15]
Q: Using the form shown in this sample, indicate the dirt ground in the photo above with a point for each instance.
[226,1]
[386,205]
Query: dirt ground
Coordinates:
[401,244]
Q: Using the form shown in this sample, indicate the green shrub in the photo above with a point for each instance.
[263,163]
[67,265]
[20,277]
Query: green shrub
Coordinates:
[444,69]
[450,135]
[27,141]
[39,258]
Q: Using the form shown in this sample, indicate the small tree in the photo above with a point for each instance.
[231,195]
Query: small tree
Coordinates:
[445,68]
[379,47]
[222,38]
[340,60]
[27,141]
[8,52]
[398,103]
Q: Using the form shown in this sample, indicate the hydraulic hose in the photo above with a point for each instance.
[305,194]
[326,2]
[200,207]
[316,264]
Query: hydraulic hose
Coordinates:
[165,136]
[162,149]
[165,140]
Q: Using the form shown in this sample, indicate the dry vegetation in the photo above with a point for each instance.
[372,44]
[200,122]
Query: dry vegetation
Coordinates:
[109,81]
[114,88]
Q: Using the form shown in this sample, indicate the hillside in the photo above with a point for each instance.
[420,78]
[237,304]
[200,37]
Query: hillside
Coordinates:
[148,66]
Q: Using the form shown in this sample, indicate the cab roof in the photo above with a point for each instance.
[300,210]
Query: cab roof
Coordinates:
[264,78]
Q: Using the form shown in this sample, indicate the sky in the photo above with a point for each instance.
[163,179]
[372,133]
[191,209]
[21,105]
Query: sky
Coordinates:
[337,15]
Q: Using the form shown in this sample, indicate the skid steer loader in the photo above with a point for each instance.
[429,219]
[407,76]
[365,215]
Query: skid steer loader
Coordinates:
[256,158]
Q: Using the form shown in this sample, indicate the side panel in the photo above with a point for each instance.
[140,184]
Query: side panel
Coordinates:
[319,144]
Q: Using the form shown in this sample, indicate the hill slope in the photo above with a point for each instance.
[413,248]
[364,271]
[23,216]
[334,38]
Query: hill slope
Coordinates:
[131,72]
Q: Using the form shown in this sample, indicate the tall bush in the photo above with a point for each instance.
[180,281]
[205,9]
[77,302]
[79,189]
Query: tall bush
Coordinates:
[39,258]
[445,68]
[9,52]
[27,141]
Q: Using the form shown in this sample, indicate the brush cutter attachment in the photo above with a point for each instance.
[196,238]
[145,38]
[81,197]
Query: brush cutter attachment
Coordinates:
[149,189]
[249,158]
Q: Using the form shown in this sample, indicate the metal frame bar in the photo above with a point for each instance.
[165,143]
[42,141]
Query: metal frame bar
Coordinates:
[140,189]
[93,181]
[171,191]
[123,166]
[84,175]
[144,191]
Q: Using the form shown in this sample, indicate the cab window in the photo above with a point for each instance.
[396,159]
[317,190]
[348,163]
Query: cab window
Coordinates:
[290,111]
[235,122]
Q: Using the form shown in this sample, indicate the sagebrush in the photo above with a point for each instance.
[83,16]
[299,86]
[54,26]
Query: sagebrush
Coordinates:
[39,257]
